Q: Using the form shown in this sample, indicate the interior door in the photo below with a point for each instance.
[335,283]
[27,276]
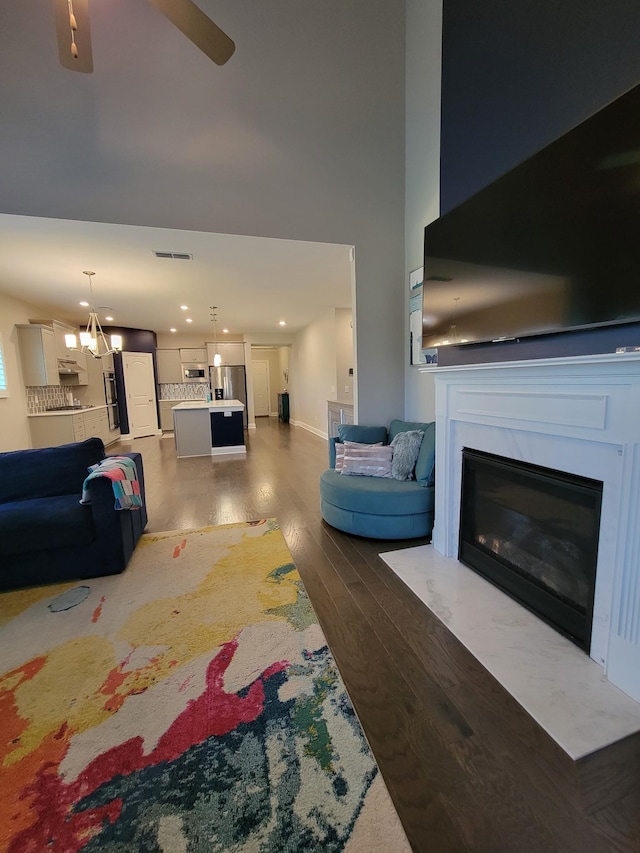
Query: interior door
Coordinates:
[140,391]
[261,407]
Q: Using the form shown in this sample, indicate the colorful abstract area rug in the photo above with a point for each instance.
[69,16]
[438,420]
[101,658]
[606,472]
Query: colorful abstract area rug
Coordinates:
[187,705]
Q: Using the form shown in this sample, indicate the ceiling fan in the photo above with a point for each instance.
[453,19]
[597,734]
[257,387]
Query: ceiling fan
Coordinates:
[74,35]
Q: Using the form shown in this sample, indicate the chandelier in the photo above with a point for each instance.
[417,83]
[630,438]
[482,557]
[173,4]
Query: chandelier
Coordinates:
[93,340]
[217,358]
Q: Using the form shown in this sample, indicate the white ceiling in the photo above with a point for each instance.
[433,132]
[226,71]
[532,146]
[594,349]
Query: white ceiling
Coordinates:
[254,281]
[287,141]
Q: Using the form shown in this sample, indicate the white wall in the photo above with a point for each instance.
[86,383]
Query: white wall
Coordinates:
[344,355]
[422,184]
[14,424]
[312,376]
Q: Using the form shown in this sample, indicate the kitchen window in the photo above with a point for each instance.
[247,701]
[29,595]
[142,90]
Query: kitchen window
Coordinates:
[4,392]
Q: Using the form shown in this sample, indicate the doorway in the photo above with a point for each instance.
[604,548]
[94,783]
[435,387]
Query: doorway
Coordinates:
[140,393]
[261,389]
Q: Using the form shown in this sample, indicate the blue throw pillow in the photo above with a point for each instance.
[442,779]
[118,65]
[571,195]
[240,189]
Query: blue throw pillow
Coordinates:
[362,434]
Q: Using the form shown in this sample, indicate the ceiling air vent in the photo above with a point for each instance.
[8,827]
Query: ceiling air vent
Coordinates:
[176,256]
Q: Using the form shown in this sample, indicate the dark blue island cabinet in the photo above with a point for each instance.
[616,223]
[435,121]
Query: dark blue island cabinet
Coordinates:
[227,430]
[209,428]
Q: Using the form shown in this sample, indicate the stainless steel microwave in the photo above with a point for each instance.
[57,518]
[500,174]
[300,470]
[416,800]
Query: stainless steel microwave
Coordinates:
[195,373]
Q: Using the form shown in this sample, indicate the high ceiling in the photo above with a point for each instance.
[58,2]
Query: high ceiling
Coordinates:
[247,166]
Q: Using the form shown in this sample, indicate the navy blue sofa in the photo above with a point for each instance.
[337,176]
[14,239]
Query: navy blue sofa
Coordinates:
[46,535]
[377,507]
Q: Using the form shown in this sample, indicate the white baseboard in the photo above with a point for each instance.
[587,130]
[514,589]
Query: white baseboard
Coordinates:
[309,428]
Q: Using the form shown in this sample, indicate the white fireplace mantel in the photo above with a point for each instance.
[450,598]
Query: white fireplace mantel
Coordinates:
[580,415]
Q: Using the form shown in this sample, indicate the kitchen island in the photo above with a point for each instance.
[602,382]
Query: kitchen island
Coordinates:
[204,428]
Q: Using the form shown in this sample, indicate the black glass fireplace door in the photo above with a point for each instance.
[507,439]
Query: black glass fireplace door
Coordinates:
[533,532]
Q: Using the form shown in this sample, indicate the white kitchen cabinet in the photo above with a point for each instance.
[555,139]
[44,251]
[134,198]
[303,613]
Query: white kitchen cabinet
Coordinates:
[74,372]
[231,352]
[61,329]
[106,362]
[169,366]
[96,423]
[52,430]
[338,413]
[38,354]
[166,415]
[193,355]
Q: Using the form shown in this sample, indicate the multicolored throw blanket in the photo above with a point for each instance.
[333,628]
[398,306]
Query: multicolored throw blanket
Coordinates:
[122,472]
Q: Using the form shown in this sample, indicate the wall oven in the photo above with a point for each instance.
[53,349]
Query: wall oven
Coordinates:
[195,373]
[111,399]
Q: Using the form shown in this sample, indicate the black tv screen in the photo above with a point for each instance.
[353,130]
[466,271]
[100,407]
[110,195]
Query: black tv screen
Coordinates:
[552,245]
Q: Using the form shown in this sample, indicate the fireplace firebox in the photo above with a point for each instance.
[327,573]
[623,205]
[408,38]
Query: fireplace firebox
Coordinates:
[533,532]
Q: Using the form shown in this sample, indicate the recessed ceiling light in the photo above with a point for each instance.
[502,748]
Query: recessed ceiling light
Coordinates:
[189,320]
[226,331]
[84,304]
[184,307]
[109,318]
[282,323]
[173,330]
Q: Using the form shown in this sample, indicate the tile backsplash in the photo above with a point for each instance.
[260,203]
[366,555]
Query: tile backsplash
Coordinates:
[43,397]
[184,391]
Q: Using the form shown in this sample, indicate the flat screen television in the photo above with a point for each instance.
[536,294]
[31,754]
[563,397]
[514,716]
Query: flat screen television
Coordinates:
[552,245]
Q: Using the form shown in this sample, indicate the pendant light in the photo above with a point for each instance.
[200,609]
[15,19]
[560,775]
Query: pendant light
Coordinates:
[93,340]
[217,358]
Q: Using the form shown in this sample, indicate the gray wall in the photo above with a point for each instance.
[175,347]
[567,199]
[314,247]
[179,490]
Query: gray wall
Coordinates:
[300,136]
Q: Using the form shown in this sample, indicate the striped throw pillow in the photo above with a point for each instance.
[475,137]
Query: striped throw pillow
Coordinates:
[367,460]
[340,448]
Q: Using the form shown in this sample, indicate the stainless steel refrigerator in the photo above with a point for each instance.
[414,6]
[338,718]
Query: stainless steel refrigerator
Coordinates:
[230,383]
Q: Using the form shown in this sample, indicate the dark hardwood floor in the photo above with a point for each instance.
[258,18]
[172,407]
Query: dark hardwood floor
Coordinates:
[467,768]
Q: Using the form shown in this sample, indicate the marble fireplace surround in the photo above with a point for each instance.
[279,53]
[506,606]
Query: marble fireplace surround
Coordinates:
[580,415]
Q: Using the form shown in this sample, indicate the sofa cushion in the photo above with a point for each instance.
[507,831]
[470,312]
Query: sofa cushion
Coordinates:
[47,471]
[362,434]
[43,524]
[425,463]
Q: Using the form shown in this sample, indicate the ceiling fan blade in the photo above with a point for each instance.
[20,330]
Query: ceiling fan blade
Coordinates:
[82,36]
[192,21]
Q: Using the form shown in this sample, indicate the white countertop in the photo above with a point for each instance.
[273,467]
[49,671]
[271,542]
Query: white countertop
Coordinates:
[65,412]
[212,406]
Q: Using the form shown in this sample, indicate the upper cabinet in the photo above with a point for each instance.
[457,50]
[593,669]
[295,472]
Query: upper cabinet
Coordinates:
[72,362]
[193,355]
[107,364]
[38,354]
[231,352]
[169,366]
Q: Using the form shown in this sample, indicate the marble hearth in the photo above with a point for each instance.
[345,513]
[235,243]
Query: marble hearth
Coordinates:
[579,415]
